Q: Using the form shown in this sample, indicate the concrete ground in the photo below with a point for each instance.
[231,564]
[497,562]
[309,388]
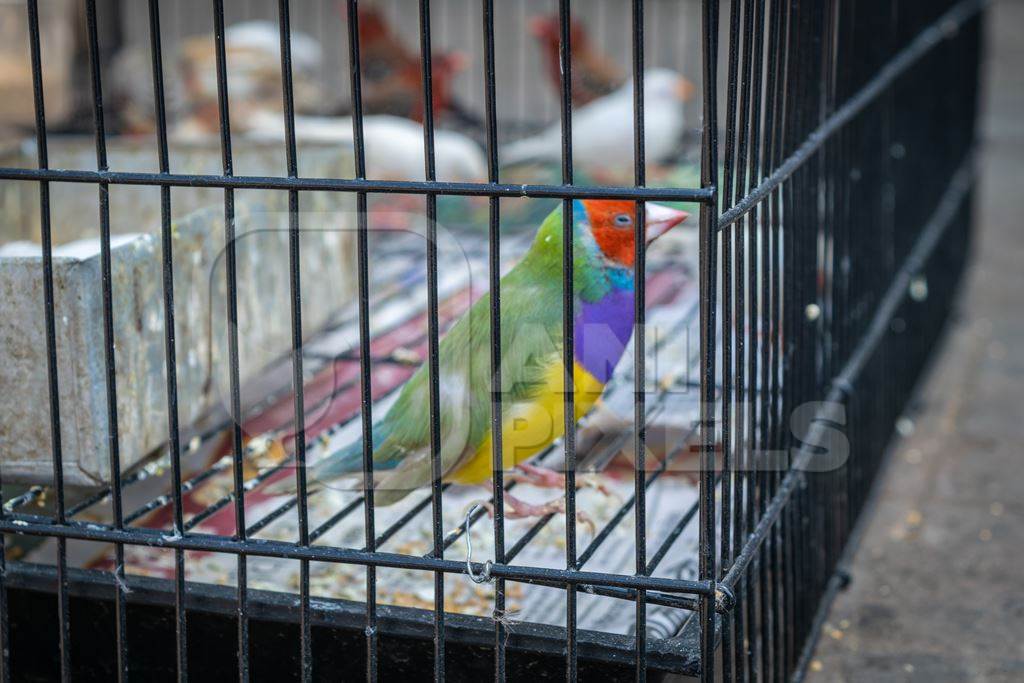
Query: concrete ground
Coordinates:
[938,582]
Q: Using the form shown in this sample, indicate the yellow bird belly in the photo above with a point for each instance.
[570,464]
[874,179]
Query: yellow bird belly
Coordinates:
[528,428]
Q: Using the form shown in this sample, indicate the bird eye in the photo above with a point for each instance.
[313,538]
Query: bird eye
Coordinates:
[623,219]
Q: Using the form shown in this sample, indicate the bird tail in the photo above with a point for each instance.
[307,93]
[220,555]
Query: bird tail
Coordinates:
[346,461]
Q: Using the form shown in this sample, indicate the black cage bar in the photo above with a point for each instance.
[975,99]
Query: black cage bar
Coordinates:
[835,190]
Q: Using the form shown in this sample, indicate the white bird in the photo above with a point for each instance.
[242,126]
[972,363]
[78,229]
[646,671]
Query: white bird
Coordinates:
[602,131]
[265,36]
[394,145]
[254,57]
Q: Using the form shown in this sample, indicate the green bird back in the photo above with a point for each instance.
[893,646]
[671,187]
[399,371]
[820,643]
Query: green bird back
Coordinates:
[531,340]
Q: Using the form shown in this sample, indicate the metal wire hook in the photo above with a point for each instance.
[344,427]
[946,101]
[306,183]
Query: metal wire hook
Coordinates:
[485,576]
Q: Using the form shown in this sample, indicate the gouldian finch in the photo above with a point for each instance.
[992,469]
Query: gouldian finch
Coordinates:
[532,358]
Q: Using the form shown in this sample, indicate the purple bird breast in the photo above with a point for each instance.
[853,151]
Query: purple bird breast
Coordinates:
[602,331]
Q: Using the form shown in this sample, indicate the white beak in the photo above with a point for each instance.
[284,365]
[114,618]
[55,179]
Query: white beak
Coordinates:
[659,219]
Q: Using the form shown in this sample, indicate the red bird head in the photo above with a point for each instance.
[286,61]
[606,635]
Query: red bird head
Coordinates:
[611,224]
[548,31]
[372,26]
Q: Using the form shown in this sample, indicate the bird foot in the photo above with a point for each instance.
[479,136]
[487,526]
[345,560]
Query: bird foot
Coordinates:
[516,508]
[520,509]
[546,478]
[541,477]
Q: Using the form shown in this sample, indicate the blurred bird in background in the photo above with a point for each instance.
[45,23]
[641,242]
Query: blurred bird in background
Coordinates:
[394,107]
[532,368]
[252,49]
[394,145]
[393,148]
[594,74]
[392,74]
[253,53]
[602,131]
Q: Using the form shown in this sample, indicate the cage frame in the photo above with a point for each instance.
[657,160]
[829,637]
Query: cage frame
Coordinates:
[723,568]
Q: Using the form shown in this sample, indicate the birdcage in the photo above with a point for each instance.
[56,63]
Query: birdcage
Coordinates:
[707,503]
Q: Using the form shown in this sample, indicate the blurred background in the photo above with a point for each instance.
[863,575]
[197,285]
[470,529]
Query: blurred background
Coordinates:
[526,89]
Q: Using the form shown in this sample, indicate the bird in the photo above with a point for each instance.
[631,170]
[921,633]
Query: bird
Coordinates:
[594,74]
[602,131]
[253,53]
[393,145]
[392,74]
[532,370]
[253,50]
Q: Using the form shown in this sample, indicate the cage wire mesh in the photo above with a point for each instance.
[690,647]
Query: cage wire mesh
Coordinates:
[827,151]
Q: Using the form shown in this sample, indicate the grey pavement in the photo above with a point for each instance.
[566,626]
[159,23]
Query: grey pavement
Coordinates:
[938,582]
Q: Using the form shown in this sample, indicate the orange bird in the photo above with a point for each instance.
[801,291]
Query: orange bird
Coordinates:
[393,74]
